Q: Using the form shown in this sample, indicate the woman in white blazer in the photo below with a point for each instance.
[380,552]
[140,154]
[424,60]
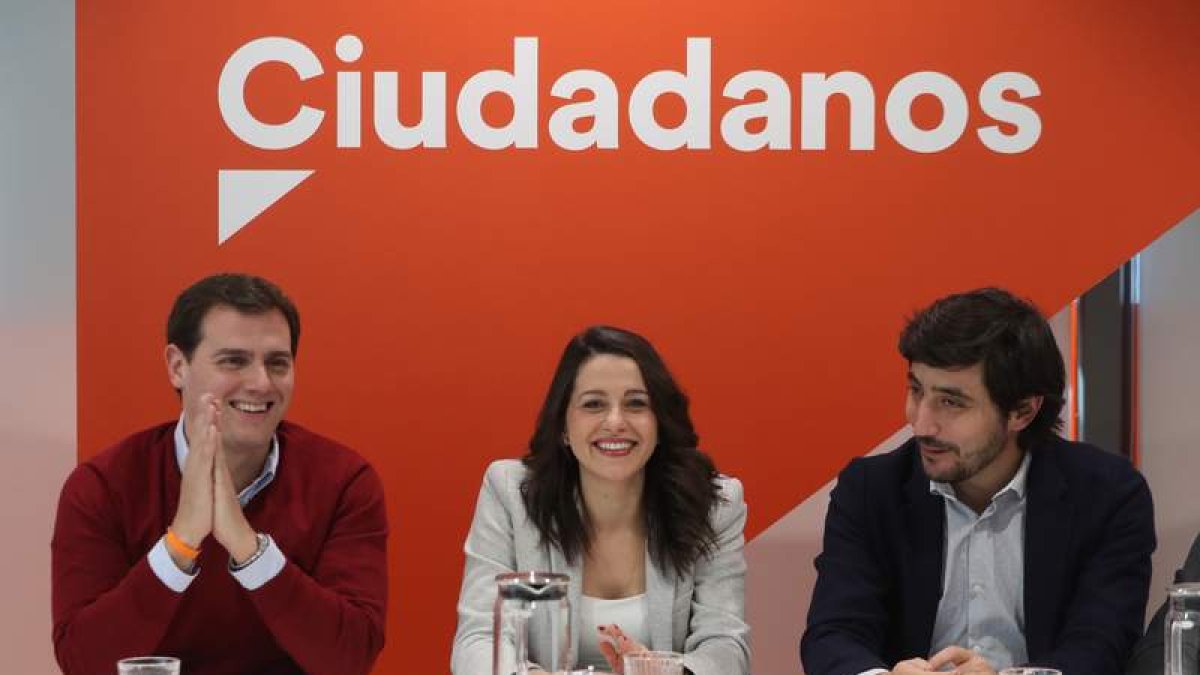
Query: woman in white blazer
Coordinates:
[614,492]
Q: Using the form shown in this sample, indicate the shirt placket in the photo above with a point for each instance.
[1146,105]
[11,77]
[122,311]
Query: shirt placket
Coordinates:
[980,559]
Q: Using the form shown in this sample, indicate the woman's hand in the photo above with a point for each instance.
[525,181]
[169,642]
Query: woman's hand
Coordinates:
[614,645]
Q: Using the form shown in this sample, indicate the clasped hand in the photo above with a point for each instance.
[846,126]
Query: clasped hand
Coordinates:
[964,661]
[208,502]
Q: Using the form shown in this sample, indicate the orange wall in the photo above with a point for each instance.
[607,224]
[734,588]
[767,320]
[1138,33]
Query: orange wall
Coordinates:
[437,286]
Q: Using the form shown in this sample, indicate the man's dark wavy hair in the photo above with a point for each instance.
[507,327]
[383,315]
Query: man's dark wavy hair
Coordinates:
[680,490]
[1012,340]
[246,293]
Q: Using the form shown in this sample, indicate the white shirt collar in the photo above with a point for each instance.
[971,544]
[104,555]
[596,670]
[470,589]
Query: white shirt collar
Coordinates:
[270,467]
[1015,486]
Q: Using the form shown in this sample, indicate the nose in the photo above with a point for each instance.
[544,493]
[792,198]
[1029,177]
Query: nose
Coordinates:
[922,419]
[257,378]
[614,420]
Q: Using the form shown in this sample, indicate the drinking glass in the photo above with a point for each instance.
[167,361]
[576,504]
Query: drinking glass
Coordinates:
[148,665]
[654,663]
[1182,627]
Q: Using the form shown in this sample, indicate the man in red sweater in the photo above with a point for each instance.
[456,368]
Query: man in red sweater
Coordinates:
[232,539]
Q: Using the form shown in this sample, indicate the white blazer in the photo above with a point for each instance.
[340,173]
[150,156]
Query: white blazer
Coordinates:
[701,616]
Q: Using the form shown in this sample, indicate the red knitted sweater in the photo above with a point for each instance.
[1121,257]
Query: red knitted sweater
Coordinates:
[323,614]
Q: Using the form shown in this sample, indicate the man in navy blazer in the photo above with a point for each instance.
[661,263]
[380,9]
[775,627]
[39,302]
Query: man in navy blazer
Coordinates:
[986,541]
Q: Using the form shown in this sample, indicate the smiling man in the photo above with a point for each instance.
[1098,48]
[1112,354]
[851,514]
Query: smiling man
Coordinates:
[229,538]
[986,541]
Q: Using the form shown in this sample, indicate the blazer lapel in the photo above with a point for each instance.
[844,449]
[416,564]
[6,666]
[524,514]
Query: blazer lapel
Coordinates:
[660,600]
[925,529]
[1048,520]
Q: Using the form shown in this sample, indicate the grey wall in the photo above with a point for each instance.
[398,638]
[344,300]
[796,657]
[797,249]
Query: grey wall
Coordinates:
[37,311]
[1169,392]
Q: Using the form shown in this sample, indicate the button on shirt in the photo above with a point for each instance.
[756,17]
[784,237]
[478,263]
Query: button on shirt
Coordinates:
[983,586]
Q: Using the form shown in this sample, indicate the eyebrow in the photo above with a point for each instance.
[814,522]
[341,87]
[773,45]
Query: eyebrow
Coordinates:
[949,391]
[234,351]
[231,351]
[953,391]
[600,392]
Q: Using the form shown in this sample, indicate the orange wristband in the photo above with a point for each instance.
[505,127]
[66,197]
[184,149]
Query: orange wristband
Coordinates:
[180,546]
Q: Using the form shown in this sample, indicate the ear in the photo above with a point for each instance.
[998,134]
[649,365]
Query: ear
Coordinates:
[177,366]
[1024,414]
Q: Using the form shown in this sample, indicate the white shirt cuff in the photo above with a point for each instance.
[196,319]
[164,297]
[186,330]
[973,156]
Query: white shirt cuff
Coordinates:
[267,567]
[166,570]
[874,671]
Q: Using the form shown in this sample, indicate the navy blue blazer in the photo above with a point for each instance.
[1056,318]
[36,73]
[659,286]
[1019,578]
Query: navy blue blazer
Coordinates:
[1089,533]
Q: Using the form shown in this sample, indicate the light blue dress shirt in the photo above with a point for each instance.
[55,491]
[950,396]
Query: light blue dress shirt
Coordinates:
[983,579]
[983,586]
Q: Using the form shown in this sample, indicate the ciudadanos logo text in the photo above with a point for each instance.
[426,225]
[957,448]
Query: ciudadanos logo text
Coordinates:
[764,111]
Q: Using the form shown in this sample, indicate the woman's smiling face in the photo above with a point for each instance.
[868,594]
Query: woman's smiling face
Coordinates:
[611,426]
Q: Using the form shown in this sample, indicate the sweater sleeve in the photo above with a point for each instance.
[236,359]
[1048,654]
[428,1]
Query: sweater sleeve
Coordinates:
[105,606]
[332,621]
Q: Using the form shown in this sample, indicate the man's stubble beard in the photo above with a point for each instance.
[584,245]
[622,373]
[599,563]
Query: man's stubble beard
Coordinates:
[967,468]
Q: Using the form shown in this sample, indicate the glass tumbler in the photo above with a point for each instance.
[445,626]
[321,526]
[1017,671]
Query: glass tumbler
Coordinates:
[654,663]
[1182,627]
[148,665]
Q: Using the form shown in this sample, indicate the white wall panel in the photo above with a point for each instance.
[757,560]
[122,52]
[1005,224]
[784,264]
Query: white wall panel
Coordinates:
[1169,393]
[37,312]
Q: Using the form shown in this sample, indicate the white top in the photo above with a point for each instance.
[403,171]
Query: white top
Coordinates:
[627,613]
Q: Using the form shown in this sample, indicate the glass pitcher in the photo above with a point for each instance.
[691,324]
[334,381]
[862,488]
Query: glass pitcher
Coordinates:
[1182,627]
[531,624]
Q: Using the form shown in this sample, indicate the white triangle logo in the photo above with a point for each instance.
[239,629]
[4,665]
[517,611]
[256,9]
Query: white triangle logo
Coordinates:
[244,194]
